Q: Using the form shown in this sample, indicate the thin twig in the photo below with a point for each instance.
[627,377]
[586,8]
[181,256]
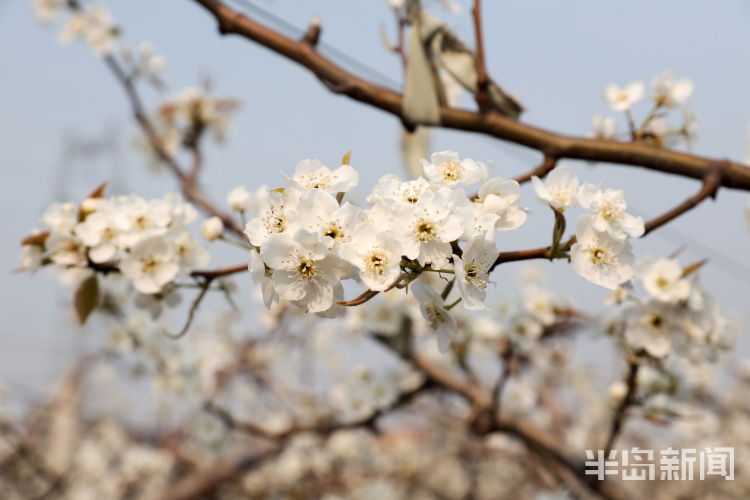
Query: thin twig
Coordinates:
[187,181]
[711,184]
[622,408]
[482,97]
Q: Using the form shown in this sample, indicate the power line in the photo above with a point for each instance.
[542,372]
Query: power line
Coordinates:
[331,52]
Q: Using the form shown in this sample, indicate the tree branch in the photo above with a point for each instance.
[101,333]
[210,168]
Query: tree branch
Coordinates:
[711,184]
[188,181]
[622,408]
[736,175]
[482,97]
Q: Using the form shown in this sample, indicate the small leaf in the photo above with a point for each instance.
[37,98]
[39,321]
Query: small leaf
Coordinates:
[558,231]
[35,239]
[98,192]
[86,298]
[347,157]
[691,268]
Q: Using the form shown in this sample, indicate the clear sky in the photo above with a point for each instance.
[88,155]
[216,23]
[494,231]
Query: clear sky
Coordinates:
[557,55]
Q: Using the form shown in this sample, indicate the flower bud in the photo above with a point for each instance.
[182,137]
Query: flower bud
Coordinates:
[238,198]
[617,391]
[212,228]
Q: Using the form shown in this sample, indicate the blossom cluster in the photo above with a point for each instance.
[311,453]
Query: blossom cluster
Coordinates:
[307,240]
[147,241]
[601,253]
[94,25]
[181,120]
[678,315]
[668,93]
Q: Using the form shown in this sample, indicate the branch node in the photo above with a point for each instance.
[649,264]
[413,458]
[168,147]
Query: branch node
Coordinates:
[312,35]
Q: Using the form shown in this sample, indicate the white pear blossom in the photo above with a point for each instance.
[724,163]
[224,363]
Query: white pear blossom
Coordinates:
[607,208]
[47,10]
[146,218]
[439,319]
[262,276]
[392,190]
[669,92]
[651,327]
[181,214]
[447,169]
[621,99]
[101,231]
[190,255]
[303,271]
[500,197]
[375,254]
[559,188]
[271,216]
[66,250]
[151,264]
[663,279]
[599,257]
[238,198]
[323,216]
[312,174]
[427,229]
[212,228]
[95,25]
[60,217]
[31,257]
[472,271]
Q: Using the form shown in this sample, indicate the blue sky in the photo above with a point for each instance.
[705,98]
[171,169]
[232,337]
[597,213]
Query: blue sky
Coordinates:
[556,55]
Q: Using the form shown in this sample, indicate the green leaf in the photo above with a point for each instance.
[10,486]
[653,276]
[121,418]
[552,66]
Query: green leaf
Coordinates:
[347,158]
[558,231]
[86,298]
[691,268]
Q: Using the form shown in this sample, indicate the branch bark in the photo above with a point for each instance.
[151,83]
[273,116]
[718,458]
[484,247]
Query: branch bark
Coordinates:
[230,21]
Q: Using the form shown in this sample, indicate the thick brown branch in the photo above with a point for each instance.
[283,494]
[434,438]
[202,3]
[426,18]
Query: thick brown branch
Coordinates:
[736,175]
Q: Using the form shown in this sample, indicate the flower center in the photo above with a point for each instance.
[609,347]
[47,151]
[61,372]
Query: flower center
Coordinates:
[315,181]
[141,222]
[306,268]
[451,170]
[611,210]
[598,256]
[425,231]
[183,250]
[562,193]
[655,321]
[274,222]
[333,230]
[149,265]
[376,262]
[434,316]
[662,282]
[108,233]
[474,275]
